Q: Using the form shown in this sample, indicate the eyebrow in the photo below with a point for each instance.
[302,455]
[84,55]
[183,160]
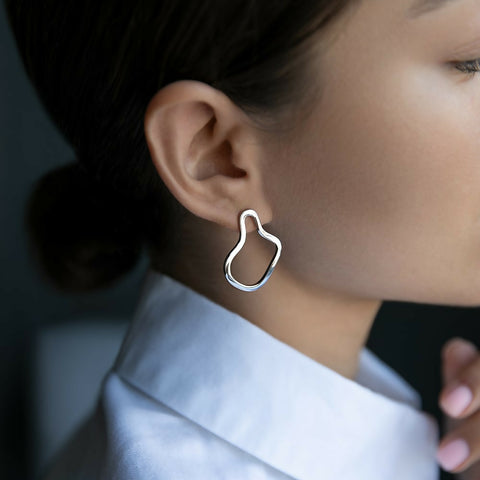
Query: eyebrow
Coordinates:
[421,7]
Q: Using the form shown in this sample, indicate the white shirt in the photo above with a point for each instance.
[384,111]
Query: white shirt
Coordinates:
[198,392]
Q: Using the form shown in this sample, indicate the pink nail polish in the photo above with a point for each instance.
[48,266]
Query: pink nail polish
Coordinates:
[457,400]
[453,454]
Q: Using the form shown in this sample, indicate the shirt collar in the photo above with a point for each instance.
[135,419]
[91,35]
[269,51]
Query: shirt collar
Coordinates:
[267,398]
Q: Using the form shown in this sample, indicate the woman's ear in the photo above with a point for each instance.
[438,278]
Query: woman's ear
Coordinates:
[207,152]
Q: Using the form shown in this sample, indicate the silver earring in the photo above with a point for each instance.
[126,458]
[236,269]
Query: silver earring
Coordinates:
[268,236]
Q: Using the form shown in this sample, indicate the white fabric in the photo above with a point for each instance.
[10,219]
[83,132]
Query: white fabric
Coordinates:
[199,392]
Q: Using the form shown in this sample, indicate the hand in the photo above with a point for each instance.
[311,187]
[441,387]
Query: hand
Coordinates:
[460,368]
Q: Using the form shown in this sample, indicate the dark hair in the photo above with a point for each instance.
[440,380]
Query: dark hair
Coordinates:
[96,65]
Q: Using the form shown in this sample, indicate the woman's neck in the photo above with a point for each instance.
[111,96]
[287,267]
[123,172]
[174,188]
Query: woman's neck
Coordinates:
[327,326]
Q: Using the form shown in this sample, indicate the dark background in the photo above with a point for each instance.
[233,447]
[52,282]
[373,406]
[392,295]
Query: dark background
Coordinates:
[30,146]
[407,336]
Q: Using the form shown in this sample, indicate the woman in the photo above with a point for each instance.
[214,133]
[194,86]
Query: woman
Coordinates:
[350,131]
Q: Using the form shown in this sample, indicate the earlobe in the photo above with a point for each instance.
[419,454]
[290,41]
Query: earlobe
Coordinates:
[201,146]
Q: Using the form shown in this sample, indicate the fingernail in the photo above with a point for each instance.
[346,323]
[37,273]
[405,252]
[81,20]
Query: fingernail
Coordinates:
[457,400]
[453,454]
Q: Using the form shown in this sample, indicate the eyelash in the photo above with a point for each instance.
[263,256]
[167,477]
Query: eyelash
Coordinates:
[466,67]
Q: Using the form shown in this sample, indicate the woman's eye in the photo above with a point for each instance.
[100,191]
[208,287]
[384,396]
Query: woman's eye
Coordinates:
[470,67]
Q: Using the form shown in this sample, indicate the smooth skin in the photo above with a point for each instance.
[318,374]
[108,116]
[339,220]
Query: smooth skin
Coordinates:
[375,194]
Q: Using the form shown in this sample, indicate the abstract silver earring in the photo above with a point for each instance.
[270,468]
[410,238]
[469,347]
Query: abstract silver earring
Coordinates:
[233,253]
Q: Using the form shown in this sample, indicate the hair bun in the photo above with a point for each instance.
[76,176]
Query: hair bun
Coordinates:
[83,234]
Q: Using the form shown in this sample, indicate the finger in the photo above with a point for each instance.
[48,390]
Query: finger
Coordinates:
[461,396]
[460,448]
[457,353]
[470,473]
